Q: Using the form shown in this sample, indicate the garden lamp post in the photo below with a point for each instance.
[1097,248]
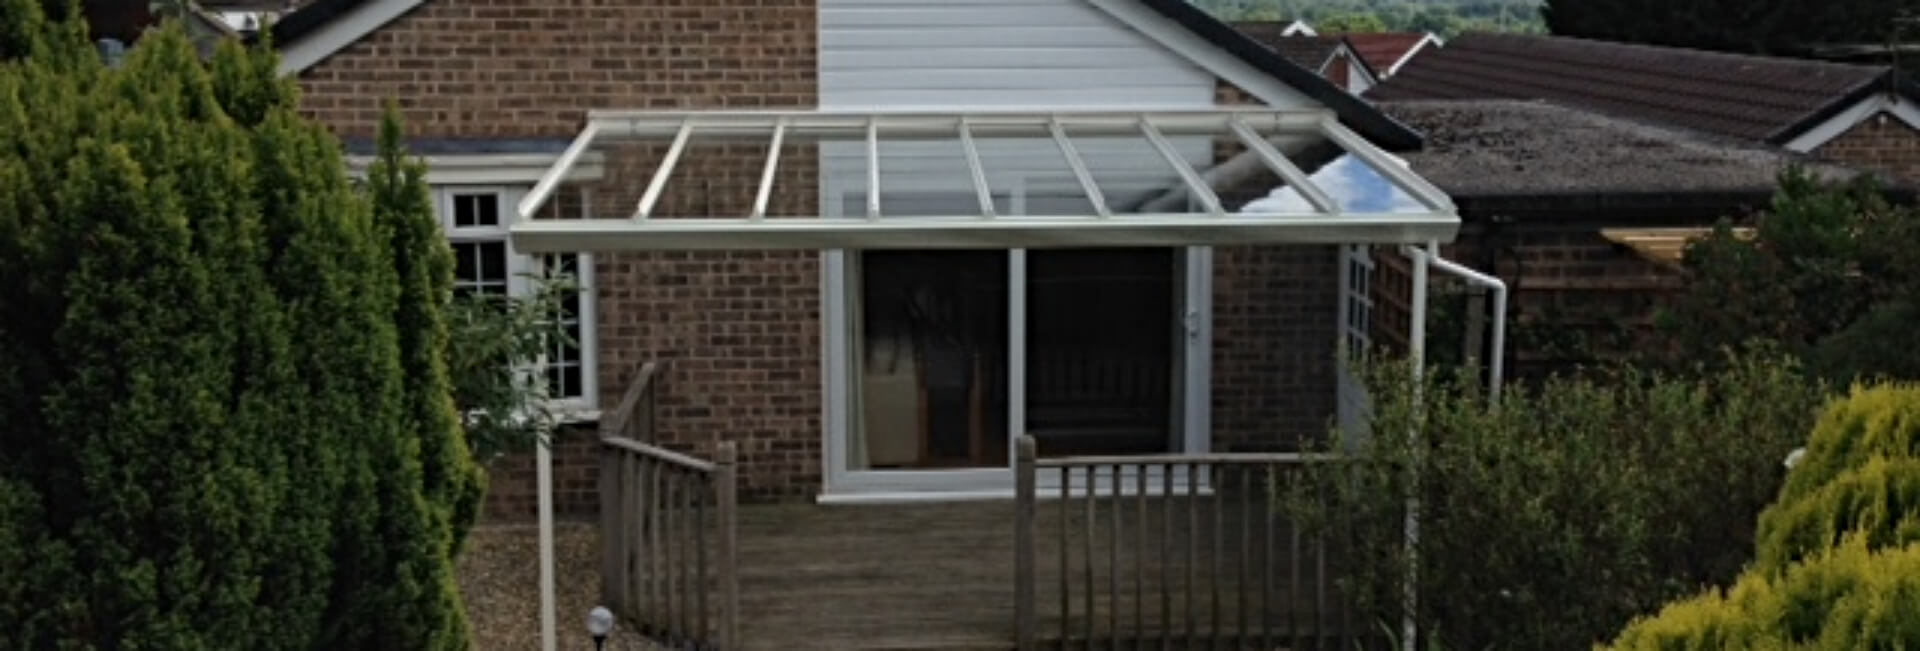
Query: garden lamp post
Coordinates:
[599,624]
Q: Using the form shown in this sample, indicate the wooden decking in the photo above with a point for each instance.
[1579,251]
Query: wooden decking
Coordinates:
[941,576]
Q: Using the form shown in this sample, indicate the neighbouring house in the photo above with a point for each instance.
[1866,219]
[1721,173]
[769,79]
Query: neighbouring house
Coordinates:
[1861,115]
[1331,56]
[116,24]
[850,374]
[1583,215]
[1386,52]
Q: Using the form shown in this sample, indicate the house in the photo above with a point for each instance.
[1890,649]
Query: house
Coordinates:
[1386,52]
[1333,57]
[1862,115]
[890,373]
[1583,215]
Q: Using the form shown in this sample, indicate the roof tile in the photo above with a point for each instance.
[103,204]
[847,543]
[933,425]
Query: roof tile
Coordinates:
[1750,97]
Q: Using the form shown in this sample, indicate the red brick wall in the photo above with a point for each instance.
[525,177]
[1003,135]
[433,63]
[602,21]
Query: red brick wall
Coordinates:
[1273,336]
[525,68]
[739,331]
[1574,296]
[1882,143]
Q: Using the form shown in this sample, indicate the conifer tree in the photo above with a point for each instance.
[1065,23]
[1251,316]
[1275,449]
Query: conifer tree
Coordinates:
[212,437]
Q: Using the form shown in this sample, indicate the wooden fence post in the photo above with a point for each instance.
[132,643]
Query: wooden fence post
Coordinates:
[1023,542]
[612,575]
[727,494]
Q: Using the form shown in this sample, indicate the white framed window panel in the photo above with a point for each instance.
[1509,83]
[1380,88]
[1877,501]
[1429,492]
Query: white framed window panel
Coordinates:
[476,220]
[1355,335]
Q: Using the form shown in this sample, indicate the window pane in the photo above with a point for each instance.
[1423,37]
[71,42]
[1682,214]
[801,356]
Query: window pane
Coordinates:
[565,361]
[476,210]
[931,373]
[480,267]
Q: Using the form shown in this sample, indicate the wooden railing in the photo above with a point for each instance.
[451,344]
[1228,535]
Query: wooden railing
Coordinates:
[668,528]
[1171,552]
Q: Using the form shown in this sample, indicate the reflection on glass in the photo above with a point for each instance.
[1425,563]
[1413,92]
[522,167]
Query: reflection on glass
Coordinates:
[931,354]
[1132,175]
[1100,350]
[1352,184]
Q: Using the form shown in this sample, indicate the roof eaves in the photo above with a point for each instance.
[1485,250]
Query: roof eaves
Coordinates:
[1890,79]
[1362,117]
[310,17]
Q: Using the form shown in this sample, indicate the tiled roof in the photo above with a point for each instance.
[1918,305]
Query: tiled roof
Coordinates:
[1310,52]
[1749,97]
[1479,149]
[1382,51]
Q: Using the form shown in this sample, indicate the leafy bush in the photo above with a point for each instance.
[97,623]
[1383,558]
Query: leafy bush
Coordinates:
[1879,421]
[1842,598]
[1879,501]
[1827,273]
[215,436]
[1839,555]
[507,409]
[1553,517]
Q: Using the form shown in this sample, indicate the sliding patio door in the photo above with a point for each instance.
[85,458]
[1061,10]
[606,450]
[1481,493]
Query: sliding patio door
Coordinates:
[937,360]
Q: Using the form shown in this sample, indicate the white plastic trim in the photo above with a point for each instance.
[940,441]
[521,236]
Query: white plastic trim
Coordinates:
[340,33]
[490,169]
[1866,109]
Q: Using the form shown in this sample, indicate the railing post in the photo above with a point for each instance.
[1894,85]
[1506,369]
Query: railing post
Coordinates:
[610,548]
[727,494]
[1023,551]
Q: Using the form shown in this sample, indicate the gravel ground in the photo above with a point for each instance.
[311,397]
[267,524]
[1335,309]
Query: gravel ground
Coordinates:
[499,576]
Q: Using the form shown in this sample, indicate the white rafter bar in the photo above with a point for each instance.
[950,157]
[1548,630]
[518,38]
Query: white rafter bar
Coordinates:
[1267,133]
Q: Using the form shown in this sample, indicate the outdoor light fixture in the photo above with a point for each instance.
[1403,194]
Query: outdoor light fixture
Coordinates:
[599,624]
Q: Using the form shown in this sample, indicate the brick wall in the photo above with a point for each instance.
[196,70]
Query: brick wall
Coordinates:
[739,331]
[1273,335]
[1882,143]
[512,493]
[1575,296]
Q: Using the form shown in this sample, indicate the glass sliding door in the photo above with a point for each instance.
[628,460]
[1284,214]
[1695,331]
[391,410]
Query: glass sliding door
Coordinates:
[1101,363]
[930,342]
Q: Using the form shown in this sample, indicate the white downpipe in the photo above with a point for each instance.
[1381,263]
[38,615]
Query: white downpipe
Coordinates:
[1496,366]
[1424,259]
[1417,350]
[543,468]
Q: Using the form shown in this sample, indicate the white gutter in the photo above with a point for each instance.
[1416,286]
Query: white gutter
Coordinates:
[1496,367]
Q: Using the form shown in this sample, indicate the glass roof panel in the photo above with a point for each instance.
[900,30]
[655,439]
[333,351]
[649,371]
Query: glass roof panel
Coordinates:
[1353,184]
[1005,179]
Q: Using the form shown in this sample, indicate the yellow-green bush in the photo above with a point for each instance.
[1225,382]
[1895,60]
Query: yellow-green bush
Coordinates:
[1875,421]
[1838,554]
[1846,597]
[1880,501]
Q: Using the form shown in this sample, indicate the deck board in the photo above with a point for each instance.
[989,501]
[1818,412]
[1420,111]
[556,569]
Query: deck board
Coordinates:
[940,575]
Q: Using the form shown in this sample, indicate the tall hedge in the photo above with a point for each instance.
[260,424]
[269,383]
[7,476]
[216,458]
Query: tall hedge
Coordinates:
[1553,517]
[212,439]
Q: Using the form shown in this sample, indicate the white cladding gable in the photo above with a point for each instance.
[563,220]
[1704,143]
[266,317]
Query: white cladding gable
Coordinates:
[961,54]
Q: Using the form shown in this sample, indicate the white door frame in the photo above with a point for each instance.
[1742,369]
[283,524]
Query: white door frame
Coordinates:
[839,272]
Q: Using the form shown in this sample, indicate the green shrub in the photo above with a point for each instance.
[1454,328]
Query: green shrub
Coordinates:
[1879,501]
[1837,565]
[208,441]
[1842,598]
[1878,421]
[1557,515]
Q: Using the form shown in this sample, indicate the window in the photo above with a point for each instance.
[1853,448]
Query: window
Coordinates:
[476,220]
[1356,299]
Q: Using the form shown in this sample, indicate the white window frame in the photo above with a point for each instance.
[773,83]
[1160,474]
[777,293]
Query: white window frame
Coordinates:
[1352,405]
[520,267]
